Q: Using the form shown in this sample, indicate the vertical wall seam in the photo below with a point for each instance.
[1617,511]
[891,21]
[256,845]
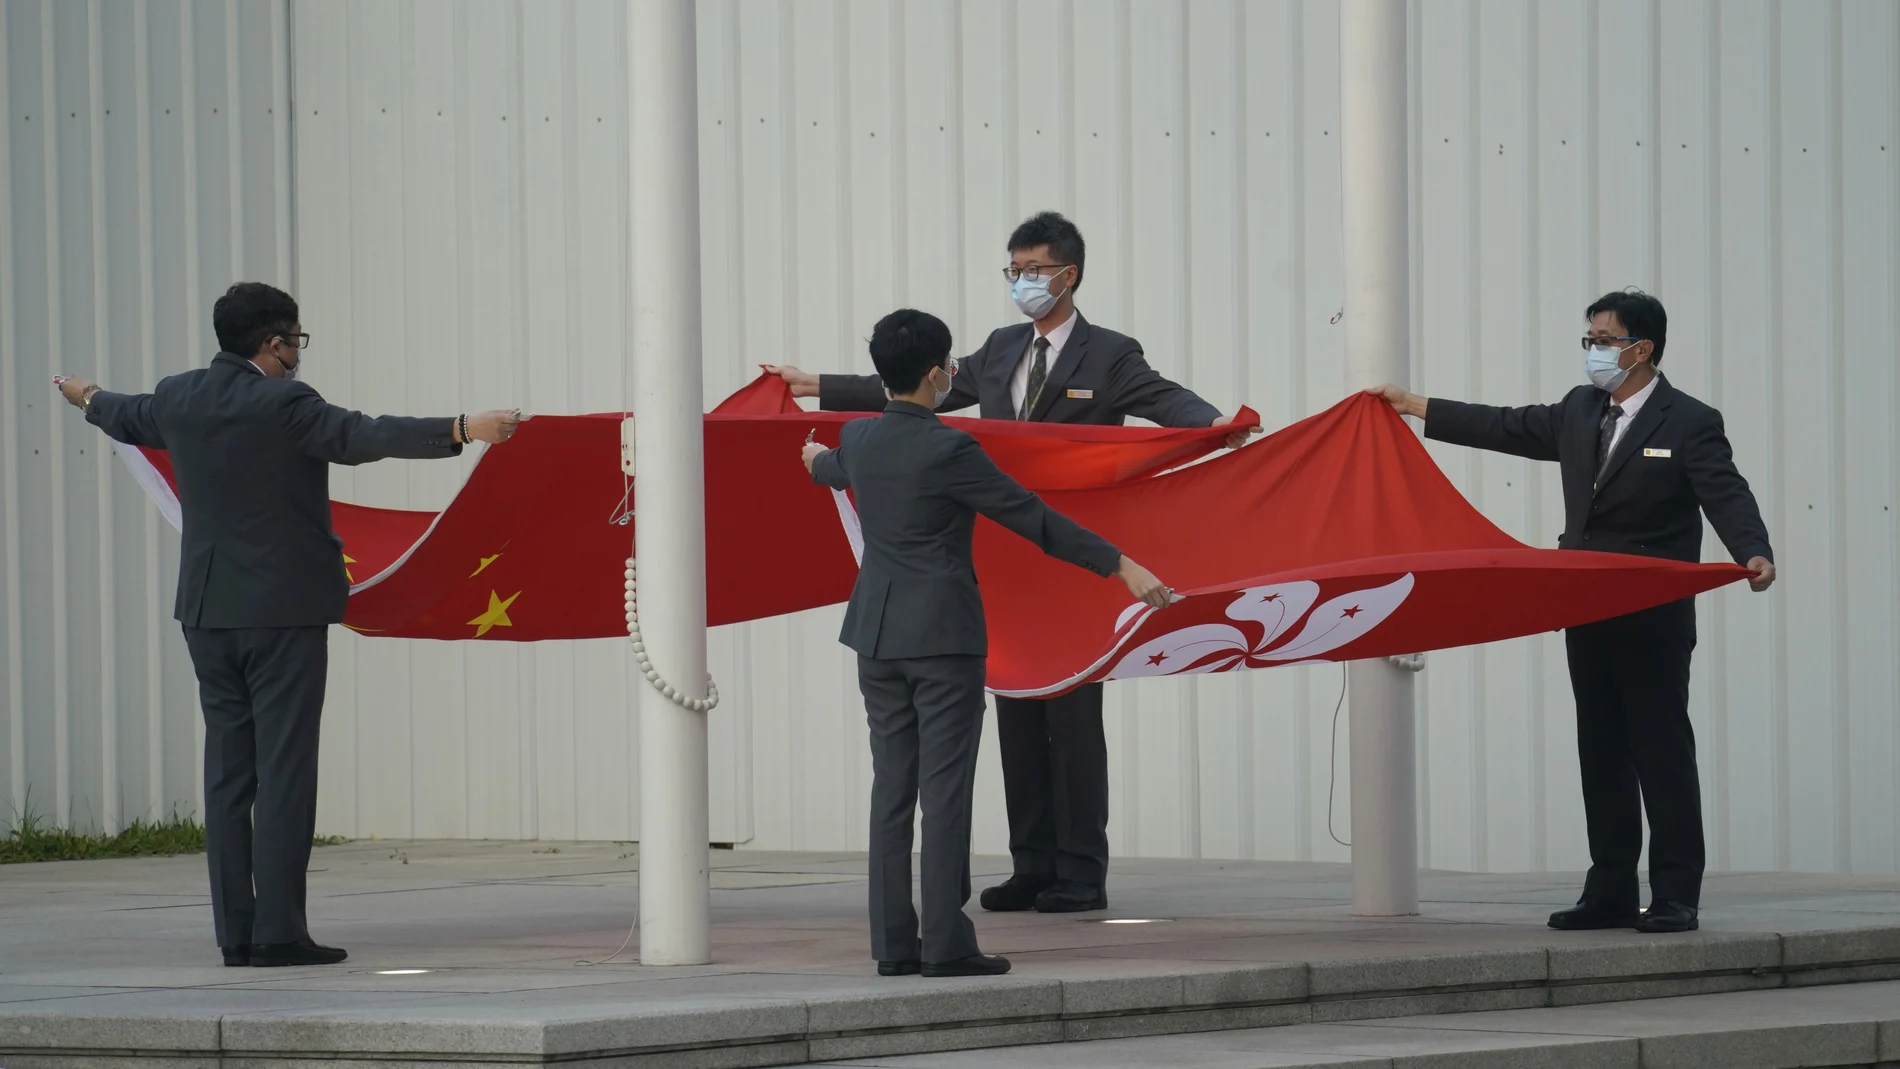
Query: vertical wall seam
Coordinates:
[9,374]
[1653,139]
[899,132]
[1243,756]
[843,234]
[283,110]
[1067,131]
[1188,687]
[234,140]
[1720,721]
[1536,802]
[1776,327]
[108,649]
[56,427]
[1893,439]
[1837,391]
[1415,263]
[195,312]
[735,257]
[1478,816]
[1125,116]
[788,294]
[148,377]
[1295,68]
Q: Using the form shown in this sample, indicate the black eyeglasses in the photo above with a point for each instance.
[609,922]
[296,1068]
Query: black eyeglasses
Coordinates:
[295,341]
[1036,272]
[1591,343]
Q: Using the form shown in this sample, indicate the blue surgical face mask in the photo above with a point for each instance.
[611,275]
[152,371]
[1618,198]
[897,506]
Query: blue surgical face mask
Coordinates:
[1032,295]
[1601,366]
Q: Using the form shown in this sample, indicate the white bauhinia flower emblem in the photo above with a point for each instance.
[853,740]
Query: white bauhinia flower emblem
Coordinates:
[1261,617]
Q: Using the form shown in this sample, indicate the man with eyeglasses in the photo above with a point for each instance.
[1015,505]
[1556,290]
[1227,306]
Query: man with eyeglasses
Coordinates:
[260,579]
[1056,368]
[1641,462]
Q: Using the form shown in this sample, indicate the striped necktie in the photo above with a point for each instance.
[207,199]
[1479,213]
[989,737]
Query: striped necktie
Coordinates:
[1038,374]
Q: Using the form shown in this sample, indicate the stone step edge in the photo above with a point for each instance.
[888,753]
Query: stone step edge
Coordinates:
[976,1032]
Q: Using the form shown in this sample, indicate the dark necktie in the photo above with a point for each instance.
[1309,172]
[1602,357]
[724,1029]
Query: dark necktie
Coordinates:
[1606,433]
[1038,374]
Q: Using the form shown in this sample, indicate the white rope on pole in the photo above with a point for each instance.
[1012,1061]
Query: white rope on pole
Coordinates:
[652,674]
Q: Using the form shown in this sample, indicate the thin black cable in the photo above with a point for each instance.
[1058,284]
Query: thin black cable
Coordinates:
[1332,764]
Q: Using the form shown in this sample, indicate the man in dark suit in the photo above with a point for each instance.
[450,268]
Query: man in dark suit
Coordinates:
[260,579]
[916,621]
[1057,368]
[1641,462]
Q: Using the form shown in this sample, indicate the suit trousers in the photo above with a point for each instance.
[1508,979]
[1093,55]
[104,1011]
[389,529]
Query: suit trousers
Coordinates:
[1636,752]
[1055,782]
[262,693]
[926,717]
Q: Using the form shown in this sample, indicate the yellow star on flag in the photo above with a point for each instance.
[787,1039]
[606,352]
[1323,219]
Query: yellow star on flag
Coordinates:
[347,561]
[497,614]
[483,566]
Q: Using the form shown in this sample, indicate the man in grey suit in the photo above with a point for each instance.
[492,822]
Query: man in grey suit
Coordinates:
[260,579]
[1057,367]
[916,621]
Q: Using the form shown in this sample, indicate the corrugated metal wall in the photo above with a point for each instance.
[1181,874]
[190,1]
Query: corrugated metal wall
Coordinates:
[460,223]
[144,168]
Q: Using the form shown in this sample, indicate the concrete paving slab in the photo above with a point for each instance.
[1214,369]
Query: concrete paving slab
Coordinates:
[500,927]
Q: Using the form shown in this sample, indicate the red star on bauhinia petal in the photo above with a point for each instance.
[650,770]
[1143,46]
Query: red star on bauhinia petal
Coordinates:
[1354,611]
[1269,597]
[1157,658]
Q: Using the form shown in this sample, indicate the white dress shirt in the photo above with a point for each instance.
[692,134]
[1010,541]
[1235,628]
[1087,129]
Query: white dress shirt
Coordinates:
[1630,408]
[1019,380]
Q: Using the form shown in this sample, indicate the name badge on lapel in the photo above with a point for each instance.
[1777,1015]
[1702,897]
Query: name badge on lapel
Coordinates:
[1656,452]
[1081,395]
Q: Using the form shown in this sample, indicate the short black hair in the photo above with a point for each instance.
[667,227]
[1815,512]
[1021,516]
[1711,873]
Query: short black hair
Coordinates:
[1642,316]
[249,315]
[905,345]
[1055,231]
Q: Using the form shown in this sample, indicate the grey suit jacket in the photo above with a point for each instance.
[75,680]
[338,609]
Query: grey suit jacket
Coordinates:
[1106,368]
[252,458]
[919,485]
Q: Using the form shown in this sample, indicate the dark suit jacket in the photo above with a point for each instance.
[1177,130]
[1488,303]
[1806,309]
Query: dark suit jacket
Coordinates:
[252,457]
[919,484]
[1106,367]
[1673,459]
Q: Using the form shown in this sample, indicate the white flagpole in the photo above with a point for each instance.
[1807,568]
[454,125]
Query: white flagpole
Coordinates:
[670,530]
[1374,167]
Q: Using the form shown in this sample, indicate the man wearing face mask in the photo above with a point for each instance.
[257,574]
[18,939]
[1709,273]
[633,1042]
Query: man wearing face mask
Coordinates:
[1056,368]
[1641,462]
[260,579]
[916,621]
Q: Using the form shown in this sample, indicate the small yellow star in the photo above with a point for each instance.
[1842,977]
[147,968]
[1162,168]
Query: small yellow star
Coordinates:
[483,566]
[497,614]
[347,561]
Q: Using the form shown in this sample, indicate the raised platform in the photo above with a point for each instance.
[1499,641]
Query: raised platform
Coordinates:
[112,962]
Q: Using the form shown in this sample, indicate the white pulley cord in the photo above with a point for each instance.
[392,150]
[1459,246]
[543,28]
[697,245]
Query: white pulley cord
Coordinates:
[652,674]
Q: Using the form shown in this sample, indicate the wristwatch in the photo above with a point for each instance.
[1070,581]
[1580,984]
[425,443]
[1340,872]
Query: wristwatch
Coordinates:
[85,398]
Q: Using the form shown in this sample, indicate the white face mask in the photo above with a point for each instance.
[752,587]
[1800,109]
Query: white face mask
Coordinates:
[1601,365]
[1032,295]
[938,397]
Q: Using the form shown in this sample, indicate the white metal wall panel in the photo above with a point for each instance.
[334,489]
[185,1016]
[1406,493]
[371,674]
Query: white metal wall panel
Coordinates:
[460,229]
[144,167]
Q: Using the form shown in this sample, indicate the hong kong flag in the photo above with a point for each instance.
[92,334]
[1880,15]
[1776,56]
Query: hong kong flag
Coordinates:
[1335,538]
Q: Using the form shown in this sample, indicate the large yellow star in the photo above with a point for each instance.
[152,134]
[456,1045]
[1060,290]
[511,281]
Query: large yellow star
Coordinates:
[497,614]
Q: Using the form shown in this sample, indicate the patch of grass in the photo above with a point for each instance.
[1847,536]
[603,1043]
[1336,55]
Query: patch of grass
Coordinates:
[32,839]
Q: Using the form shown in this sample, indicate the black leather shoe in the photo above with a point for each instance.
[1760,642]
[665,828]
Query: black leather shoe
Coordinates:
[1665,917]
[1071,897]
[275,955]
[1013,895]
[1589,917]
[910,967]
[974,965]
[236,956]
